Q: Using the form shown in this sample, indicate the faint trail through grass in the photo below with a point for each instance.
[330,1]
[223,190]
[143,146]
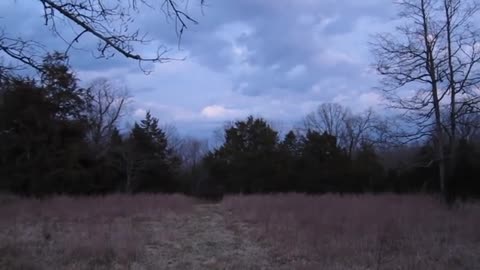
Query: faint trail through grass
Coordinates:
[291,231]
[203,240]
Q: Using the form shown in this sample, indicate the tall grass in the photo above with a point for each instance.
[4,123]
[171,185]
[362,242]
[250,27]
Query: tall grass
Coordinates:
[361,232]
[298,231]
[83,232]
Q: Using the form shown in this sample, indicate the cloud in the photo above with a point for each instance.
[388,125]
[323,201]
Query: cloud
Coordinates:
[332,57]
[370,99]
[296,71]
[274,58]
[361,102]
[243,40]
[219,112]
[139,113]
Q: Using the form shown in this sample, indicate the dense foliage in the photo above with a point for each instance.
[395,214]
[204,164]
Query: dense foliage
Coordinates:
[47,147]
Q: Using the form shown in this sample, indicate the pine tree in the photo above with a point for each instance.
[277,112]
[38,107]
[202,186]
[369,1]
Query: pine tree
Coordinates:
[248,160]
[150,164]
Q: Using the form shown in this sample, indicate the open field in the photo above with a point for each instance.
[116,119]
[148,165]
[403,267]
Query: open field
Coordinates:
[290,231]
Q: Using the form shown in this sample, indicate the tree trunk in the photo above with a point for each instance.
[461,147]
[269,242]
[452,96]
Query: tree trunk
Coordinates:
[432,69]
[453,92]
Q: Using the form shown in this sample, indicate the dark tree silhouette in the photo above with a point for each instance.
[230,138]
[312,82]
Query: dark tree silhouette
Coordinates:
[435,53]
[56,137]
[246,161]
[110,23]
[151,163]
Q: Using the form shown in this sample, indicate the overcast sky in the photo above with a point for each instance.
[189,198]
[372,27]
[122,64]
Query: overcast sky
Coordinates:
[273,58]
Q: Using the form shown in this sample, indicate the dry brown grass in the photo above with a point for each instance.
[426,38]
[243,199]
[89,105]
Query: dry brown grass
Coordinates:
[253,232]
[110,232]
[361,232]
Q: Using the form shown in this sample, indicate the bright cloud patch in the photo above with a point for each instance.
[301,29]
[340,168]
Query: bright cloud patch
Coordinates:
[217,111]
[139,113]
[370,99]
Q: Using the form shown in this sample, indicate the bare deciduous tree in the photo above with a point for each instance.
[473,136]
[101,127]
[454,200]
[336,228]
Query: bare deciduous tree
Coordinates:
[110,23]
[175,141]
[350,129]
[463,76]
[106,107]
[467,126]
[329,118]
[356,130]
[192,152]
[430,61]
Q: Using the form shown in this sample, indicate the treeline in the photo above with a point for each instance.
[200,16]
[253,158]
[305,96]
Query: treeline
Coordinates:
[254,159]
[57,137]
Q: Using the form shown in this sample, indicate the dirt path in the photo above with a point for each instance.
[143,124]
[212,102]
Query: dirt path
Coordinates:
[202,240]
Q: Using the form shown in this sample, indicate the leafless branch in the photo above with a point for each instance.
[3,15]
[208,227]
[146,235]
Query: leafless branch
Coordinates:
[106,107]
[109,22]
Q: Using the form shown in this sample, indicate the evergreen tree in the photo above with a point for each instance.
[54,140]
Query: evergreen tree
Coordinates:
[290,152]
[153,165]
[61,88]
[247,162]
[324,165]
[43,135]
[465,182]
[368,173]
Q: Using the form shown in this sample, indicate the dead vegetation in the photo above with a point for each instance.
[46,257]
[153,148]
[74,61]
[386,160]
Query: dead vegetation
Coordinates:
[112,232]
[256,232]
[361,232]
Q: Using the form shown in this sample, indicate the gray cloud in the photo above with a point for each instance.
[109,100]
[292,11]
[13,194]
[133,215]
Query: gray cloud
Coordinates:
[278,58]
[268,39]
